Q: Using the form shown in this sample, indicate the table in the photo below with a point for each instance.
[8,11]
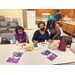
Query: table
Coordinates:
[35,57]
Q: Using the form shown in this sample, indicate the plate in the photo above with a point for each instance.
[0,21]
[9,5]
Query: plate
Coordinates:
[26,45]
[37,47]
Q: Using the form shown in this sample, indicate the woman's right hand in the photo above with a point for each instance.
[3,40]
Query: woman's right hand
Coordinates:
[36,42]
[50,40]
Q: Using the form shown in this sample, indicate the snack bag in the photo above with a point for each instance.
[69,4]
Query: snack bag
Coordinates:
[29,48]
[54,45]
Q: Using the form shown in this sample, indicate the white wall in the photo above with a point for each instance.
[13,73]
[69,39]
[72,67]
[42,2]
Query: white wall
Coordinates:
[12,13]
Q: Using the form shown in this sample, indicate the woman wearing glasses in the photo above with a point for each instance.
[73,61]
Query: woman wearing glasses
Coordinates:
[20,35]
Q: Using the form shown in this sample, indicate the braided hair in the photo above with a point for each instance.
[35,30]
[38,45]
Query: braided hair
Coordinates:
[49,22]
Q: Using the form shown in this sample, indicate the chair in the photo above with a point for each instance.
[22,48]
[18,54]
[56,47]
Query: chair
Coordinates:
[2,18]
[61,31]
[3,26]
[35,28]
[9,36]
[15,21]
[12,27]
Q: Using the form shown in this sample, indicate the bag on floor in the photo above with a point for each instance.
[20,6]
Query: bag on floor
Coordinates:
[63,44]
[5,41]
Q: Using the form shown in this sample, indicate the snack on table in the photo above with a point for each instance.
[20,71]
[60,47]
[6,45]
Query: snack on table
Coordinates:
[42,43]
[29,48]
[24,44]
[21,45]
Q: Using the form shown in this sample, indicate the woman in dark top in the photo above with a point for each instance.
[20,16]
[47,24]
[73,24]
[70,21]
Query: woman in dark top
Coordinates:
[53,28]
[58,16]
[40,35]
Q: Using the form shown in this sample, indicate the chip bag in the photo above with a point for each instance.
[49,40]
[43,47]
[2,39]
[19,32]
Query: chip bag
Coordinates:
[29,48]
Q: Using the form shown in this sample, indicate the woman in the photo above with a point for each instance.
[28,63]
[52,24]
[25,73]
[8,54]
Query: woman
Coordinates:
[20,35]
[40,35]
[53,28]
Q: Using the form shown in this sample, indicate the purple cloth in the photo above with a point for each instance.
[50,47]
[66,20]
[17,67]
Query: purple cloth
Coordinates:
[17,36]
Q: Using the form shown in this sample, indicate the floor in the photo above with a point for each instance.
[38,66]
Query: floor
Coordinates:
[30,34]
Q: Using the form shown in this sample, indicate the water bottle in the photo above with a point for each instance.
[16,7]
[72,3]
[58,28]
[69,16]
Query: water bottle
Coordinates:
[45,41]
[17,44]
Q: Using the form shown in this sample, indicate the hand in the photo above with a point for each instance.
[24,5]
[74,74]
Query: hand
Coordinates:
[50,40]
[53,38]
[36,42]
[27,40]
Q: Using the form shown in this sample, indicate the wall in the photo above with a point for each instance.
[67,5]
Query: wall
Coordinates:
[24,18]
[66,17]
[12,13]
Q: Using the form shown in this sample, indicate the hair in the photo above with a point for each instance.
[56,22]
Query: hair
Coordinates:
[41,22]
[18,27]
[48,24]
[57,10]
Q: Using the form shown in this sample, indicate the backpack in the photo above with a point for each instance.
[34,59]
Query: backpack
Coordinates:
[5,41]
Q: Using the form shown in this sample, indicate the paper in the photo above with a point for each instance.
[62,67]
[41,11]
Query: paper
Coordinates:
[15,57]
[48,54]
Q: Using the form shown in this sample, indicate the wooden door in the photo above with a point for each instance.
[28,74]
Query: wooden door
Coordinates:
[37,22]
[53,12]
[74,13]
[71,13]
[39,12]
[64,27]
[63,11]
[67,11]
[70,29]
[74,30]
[47,10]
[61,24]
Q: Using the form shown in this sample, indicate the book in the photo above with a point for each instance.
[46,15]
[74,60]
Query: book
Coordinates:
[15,57]
[49,55]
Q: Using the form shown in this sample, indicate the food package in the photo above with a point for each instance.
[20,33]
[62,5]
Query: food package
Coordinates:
[54,45]
[22,45]
[29,48]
